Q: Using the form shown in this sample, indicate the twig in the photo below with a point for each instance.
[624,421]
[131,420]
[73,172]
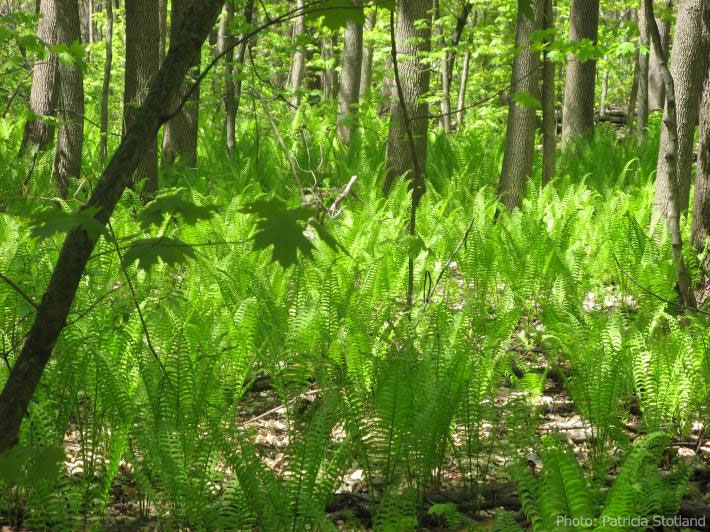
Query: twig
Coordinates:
[19,290]
[277,408]
[333,210]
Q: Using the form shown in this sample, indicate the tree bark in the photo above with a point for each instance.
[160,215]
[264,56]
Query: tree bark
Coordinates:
[656,90]
[298,63]
[367,54]
[643,86]
[670,155]
[180,133]
[688,73]
[106,85]
[163,20]
[142,63]
[57,300]
[463,84]
[578,113]
[329,84]
[549,117]
[701,202]
[349,94]
[70,141]
[520,131]
[413,39]
[43,95]
[447,66]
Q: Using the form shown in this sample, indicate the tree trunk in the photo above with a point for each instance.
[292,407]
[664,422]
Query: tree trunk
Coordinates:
[463,84]
[605,93]
[671,150]
[413,39]
[642,80]
[701,202]
[549,117]
[163,21]
[56,303]
[688,75]
[367,54]
[43,95]
[180,133]
[328,76]
[520,132]
[224,40]
[106,85]
[349,95]
[142,63]
[578,113]
[656,90]
[447,65]
[298,63]
[70,141]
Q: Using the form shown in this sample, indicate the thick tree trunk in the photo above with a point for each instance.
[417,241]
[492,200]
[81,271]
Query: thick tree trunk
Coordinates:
[57,300]
[549,117]
[349,94]
[671,151]
[520,132]
[43,96]
[656,89]
[701,202]
[578,112]
[463,84]
[298,63]
[413,40]
[142,63]
[688,71]
[180,133]
[106,85]
[642,80]
[70,141]
[367,54]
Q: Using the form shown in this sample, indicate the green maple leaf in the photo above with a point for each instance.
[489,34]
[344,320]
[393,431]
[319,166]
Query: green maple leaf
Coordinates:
[282,228]
[337,13]
[414,246]
[174,203]
[47,222]
[147,251]
[527,100]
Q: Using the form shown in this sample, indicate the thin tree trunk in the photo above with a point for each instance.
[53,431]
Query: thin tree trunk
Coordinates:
[39,132]
[642,90]
[701,202]
[56,303]
[367,54]
[298,63]
[349,94]
[413,40]
[328,76]
[447,66]
[687,68]
[549,117]
[633,96]
[605,93]
[463,84]
[163,21]
[671,154]
[578,113]
[70,141]
[520,131]
[106,85]
[180,133]
[142,64]
[656,89]
[230,105]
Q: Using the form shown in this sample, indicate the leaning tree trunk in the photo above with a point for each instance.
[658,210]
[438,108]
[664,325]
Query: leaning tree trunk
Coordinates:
[671,151]
[409,124]
[463,84]
[51,315]
[688,75]
[549,117]
[142,63]
[367,54]
[642,80]
[578,112]
[298,63]
[701,202]
[349,94]
[656,89]
[39,132]
[520,132]
[70,141]
[180,133]
[447,66]
[106,85]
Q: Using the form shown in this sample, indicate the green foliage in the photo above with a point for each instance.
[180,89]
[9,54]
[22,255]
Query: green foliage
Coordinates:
[49,221]
[174,203]
[147,251]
